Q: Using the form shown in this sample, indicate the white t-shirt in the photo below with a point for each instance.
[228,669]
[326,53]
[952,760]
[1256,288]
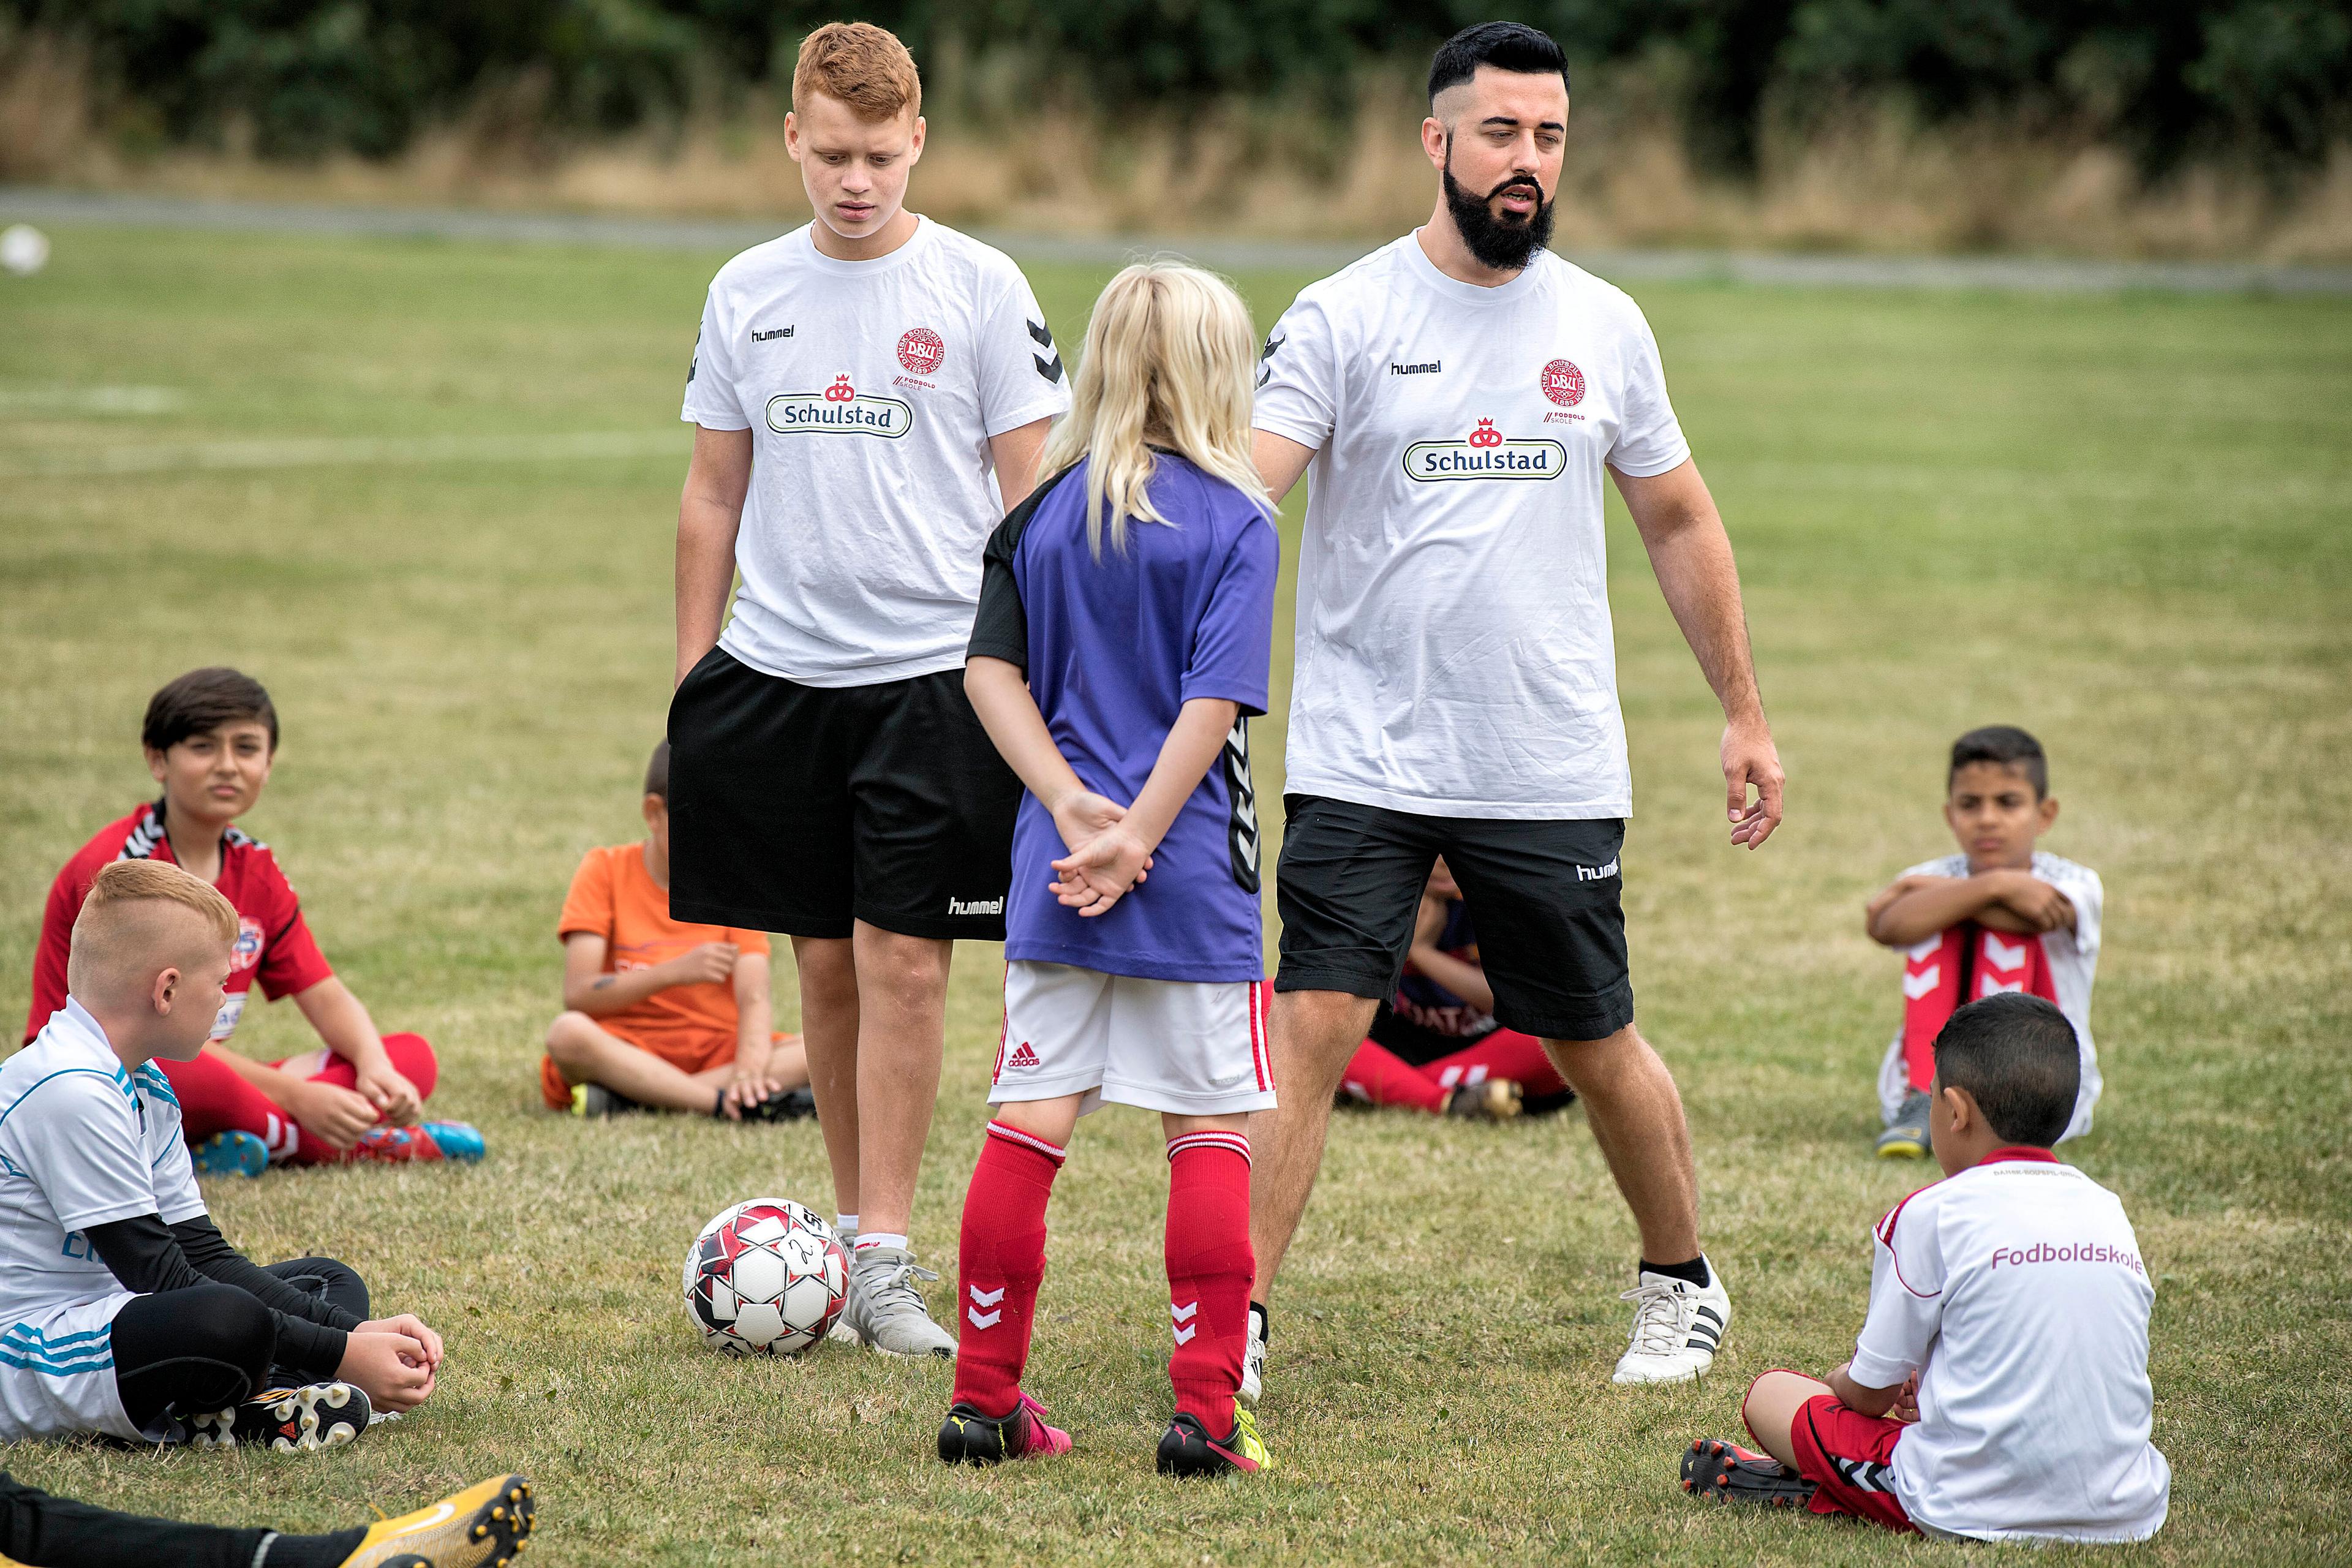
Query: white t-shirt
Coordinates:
[872,389]
[82,1142]
[2074,959]
[2016,1291]
[1454,654]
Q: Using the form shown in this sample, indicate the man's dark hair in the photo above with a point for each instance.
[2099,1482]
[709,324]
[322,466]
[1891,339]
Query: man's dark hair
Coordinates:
[203,701]
[2017,1054]
[1506,46]
[2007,745]
[657,773]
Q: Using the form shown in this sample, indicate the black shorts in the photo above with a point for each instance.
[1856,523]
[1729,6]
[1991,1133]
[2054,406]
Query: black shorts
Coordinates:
[800,808]
[1551,930]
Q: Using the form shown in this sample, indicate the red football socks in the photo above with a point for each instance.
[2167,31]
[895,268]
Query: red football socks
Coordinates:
[1210,1270]
[1380,1076]
[1001,1262]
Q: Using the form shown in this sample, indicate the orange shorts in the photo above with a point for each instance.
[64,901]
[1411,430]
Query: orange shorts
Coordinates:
[689,1051]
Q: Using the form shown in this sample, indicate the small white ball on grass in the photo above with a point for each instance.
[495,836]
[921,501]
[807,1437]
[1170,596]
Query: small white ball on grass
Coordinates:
[24,249]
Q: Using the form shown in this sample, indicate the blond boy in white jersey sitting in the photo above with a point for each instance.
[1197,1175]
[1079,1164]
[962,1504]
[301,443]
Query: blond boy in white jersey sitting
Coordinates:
[1999,1389]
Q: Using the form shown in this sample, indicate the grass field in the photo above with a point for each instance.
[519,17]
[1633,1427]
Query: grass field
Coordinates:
[426,493]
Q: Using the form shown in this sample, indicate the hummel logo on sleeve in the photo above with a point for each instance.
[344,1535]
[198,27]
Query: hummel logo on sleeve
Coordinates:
[772,337]
[1265,358]
[1050,368]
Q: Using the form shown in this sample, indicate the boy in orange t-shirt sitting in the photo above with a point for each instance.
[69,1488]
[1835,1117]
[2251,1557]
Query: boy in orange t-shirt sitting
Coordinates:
[662,1014]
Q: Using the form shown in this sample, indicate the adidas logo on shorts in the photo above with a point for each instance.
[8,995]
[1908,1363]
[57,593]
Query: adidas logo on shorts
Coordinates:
[1022,1057]
[976,907]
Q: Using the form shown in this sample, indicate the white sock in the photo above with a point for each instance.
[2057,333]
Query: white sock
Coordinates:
[845,1223]
[867,1239]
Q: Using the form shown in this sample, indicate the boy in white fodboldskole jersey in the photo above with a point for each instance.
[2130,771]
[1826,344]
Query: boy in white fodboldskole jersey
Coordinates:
[1999,1389]
[871,393]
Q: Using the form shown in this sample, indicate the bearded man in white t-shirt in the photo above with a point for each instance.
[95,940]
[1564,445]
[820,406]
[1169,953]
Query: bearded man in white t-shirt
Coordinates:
[870,395]
[1456,398]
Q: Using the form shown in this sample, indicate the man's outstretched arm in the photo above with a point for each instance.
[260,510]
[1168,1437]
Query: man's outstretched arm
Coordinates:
[709,512]
[1692,556]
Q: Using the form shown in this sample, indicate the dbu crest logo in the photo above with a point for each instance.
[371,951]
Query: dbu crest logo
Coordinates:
[247,952]
[839,410]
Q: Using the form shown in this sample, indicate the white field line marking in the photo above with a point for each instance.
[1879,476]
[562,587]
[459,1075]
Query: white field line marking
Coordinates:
[362,451]
[36,397]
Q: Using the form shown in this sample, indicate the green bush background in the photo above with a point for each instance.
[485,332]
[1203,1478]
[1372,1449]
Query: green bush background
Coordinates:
[2265,80]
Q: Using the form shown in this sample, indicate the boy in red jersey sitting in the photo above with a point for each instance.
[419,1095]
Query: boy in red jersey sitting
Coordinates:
[2001,915]
[662,1014]
[211,738]
[1998,1390]
[1438,1046]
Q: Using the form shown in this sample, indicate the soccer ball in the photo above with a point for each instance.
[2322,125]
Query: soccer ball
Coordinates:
[765,1277]
[24,249]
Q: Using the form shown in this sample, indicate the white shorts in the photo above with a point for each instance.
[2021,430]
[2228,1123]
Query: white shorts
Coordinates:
[1194,1048]
[57,1373]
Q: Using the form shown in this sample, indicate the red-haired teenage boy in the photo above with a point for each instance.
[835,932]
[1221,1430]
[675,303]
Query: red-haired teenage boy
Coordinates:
[211,738]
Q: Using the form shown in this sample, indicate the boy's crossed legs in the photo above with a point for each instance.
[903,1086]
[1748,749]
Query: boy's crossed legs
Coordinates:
[585,1053]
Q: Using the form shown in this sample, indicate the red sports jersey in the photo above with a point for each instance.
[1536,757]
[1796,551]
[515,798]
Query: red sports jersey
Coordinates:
[273,942]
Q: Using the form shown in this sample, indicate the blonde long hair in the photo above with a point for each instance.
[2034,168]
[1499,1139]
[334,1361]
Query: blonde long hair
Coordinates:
[1169,356]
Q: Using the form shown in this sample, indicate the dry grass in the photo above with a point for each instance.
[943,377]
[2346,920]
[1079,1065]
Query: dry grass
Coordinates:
[1867,181]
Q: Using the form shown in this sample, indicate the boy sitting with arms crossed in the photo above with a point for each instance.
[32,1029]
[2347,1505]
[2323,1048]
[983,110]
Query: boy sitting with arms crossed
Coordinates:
[122,1309]
[662,1014]
[211,739]
[1999,1389]
[1437,1048]
[2001,915]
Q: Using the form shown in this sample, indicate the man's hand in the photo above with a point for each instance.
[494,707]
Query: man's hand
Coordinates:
[1749,758]
[392,1369]
[334,1116]
[389,1090]
[2033,901]
[1096,875]
[408,1324]
[706,965]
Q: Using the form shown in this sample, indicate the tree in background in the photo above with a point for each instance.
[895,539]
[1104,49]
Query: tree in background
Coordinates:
[2271,78]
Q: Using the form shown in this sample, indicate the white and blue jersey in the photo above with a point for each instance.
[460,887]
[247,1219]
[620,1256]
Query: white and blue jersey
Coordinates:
[83,1142]
[1114,648]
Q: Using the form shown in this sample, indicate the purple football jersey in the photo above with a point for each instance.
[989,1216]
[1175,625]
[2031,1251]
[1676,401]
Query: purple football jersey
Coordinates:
[1114,648]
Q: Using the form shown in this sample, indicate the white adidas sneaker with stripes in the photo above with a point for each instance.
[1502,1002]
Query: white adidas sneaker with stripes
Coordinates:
[1677,1327]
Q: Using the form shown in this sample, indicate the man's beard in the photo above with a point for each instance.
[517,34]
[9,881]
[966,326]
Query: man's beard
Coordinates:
[1505,244]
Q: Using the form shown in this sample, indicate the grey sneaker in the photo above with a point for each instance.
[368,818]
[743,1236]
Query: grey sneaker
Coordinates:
[884,1310]
[1253,1388]
[1905,1137]
[840,1333]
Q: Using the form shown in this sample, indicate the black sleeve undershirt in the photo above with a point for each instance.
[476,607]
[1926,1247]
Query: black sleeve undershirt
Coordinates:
[149,1257]
[999,627]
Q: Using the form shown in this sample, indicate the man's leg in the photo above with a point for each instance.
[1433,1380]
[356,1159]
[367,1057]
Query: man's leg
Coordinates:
[585,1053]
[1636,1116]
[829,1023]
[901,1010]
[1311,1036]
